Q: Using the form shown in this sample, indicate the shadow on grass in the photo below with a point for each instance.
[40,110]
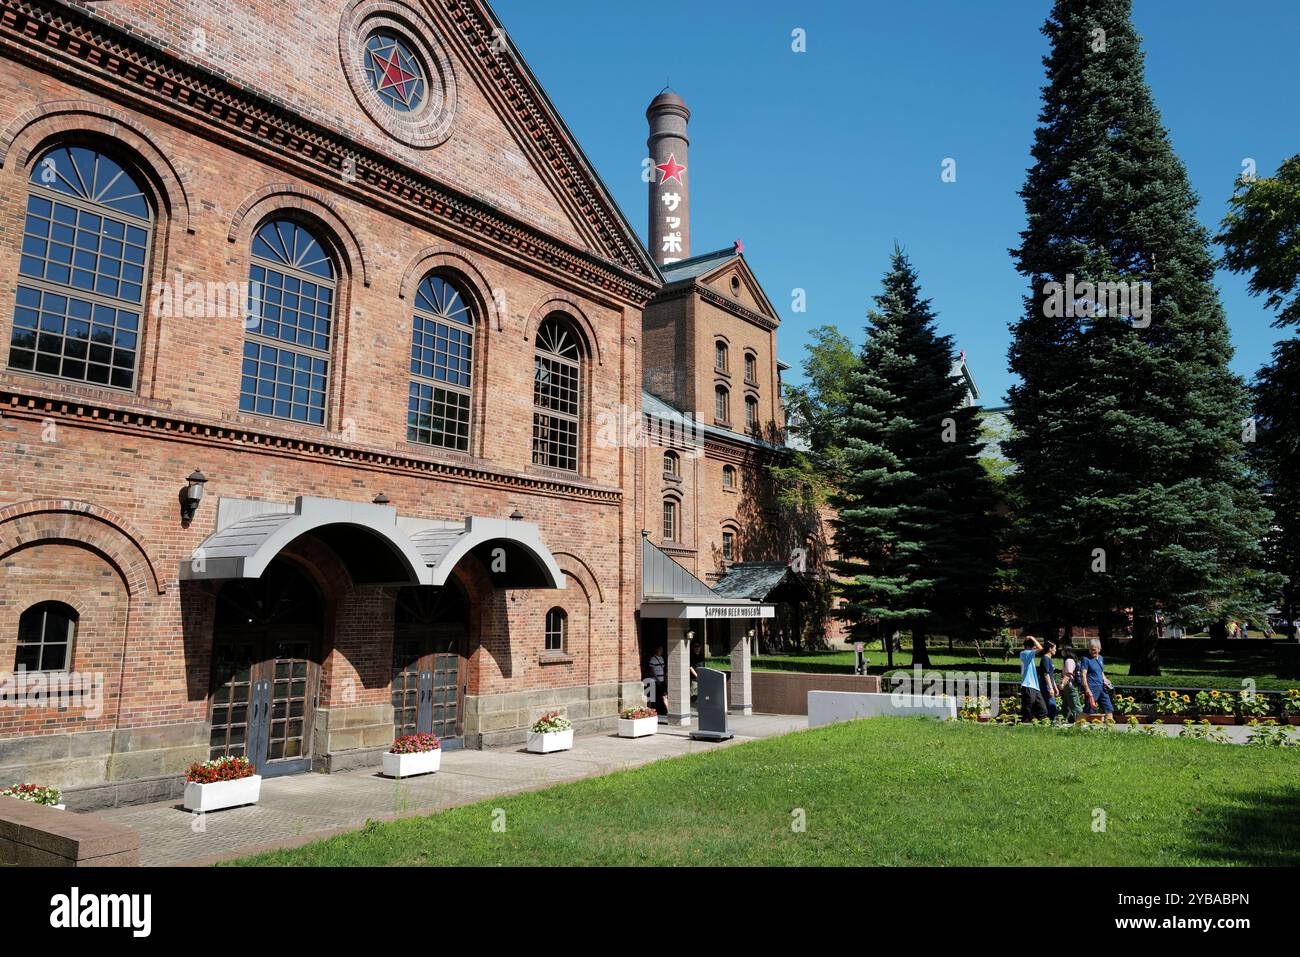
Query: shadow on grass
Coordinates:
[1255,829]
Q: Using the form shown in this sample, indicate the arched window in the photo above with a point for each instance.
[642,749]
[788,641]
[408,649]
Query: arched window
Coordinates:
[557,629]
[80,294]
[721,404]
[672,527]
[751,414]
[720,356]
[557,391]
[442,364]
[728,546]
[751,368]
[290,326]
[728,476]
[45,635]
[672,464]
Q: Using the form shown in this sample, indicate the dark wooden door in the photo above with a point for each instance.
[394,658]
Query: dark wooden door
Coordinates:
[429,646]
[266,671]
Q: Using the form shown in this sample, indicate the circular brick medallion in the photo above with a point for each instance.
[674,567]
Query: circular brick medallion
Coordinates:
[398,71]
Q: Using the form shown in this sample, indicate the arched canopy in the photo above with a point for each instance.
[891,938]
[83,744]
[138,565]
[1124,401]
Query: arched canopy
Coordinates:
[511,552]
[366,537]
[377,547]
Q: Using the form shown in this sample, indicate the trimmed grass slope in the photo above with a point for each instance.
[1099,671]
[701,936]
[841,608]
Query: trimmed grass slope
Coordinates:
[885,791]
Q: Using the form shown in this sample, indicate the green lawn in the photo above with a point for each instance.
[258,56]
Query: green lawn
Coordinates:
[880,792]
[1198,667]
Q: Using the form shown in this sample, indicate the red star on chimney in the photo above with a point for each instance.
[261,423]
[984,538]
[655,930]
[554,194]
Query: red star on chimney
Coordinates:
[671,170]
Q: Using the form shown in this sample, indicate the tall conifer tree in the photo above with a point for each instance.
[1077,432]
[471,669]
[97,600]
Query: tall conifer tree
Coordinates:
[914,528]
[1128,427]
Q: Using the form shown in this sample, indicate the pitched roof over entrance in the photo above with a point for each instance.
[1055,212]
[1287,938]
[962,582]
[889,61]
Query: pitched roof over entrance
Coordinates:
[669,591]
[763,581]
[377,546]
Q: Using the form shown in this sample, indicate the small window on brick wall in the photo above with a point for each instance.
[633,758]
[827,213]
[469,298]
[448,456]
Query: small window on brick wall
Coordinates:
[45,635]
[557,630]
[728,546]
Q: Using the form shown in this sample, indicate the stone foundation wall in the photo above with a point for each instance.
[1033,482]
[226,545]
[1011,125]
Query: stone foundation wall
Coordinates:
[351,737]
[504,719]
[98,769]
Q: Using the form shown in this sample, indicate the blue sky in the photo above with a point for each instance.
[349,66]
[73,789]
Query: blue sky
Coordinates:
[820,160]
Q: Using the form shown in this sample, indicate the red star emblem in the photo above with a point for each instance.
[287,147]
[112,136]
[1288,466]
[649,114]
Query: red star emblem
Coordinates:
[671,170]
[393,77]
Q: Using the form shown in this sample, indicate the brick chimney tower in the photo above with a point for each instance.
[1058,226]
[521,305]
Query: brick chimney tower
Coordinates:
[670,198]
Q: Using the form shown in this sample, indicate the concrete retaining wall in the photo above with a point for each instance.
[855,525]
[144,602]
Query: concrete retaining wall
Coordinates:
[828,707]
[32,835]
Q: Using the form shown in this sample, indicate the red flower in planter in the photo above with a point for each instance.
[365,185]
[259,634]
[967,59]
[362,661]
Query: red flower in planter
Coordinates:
[221,769]
[415,744]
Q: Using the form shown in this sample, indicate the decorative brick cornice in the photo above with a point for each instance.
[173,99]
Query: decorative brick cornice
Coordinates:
[715,298]
[128,69]
[131,417]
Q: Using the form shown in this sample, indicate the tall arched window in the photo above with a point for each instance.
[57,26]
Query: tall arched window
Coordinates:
[442,363]
[45,635]
[751,414]
[720,356]
[721,404]
[557,392]
[729,545]
[672,464]
[557,629]
[751,368]
[80,294]
[728,476]
[291,325]
[672,524]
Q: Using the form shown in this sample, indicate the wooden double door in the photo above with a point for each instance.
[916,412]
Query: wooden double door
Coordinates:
[266,670]
[430,634]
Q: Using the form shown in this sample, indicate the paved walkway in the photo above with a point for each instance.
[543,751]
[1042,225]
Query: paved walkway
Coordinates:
[305,807]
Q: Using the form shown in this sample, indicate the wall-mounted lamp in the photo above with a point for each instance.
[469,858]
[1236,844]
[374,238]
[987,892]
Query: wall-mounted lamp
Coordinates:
[191,495]
[516,516]
[381,499]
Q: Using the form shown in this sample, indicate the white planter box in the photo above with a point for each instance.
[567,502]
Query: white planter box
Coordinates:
[637,727]
[550,741]
[222,794]
[409,765]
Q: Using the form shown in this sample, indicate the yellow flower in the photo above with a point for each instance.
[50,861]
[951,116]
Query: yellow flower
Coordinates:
[1214,694]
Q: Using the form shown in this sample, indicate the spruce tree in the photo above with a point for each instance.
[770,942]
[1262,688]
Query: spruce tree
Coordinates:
[1128,424]
[1261,237]
[914,525]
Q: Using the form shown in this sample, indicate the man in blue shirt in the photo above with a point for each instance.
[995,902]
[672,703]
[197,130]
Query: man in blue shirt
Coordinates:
[1031,698]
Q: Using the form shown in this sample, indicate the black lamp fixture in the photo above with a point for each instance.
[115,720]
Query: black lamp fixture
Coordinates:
[191,495]
[516,516]
[381,499]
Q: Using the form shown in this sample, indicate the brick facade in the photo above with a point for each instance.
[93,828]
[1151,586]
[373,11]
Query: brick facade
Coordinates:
[90,476]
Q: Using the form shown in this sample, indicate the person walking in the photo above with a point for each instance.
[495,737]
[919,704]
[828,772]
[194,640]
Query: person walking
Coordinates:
[1071,706]
[659,671]
[1095,685]
[1031,698]
[1047,678]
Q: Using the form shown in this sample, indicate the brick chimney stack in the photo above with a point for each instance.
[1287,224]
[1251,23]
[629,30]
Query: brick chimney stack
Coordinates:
[670,199]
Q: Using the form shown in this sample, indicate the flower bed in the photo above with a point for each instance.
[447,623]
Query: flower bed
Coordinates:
[35,794]
[637,722]
[413,754]
[221,783]
[551,732]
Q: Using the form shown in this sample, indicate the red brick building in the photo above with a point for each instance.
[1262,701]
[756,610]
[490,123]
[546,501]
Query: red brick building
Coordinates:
[372,305]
